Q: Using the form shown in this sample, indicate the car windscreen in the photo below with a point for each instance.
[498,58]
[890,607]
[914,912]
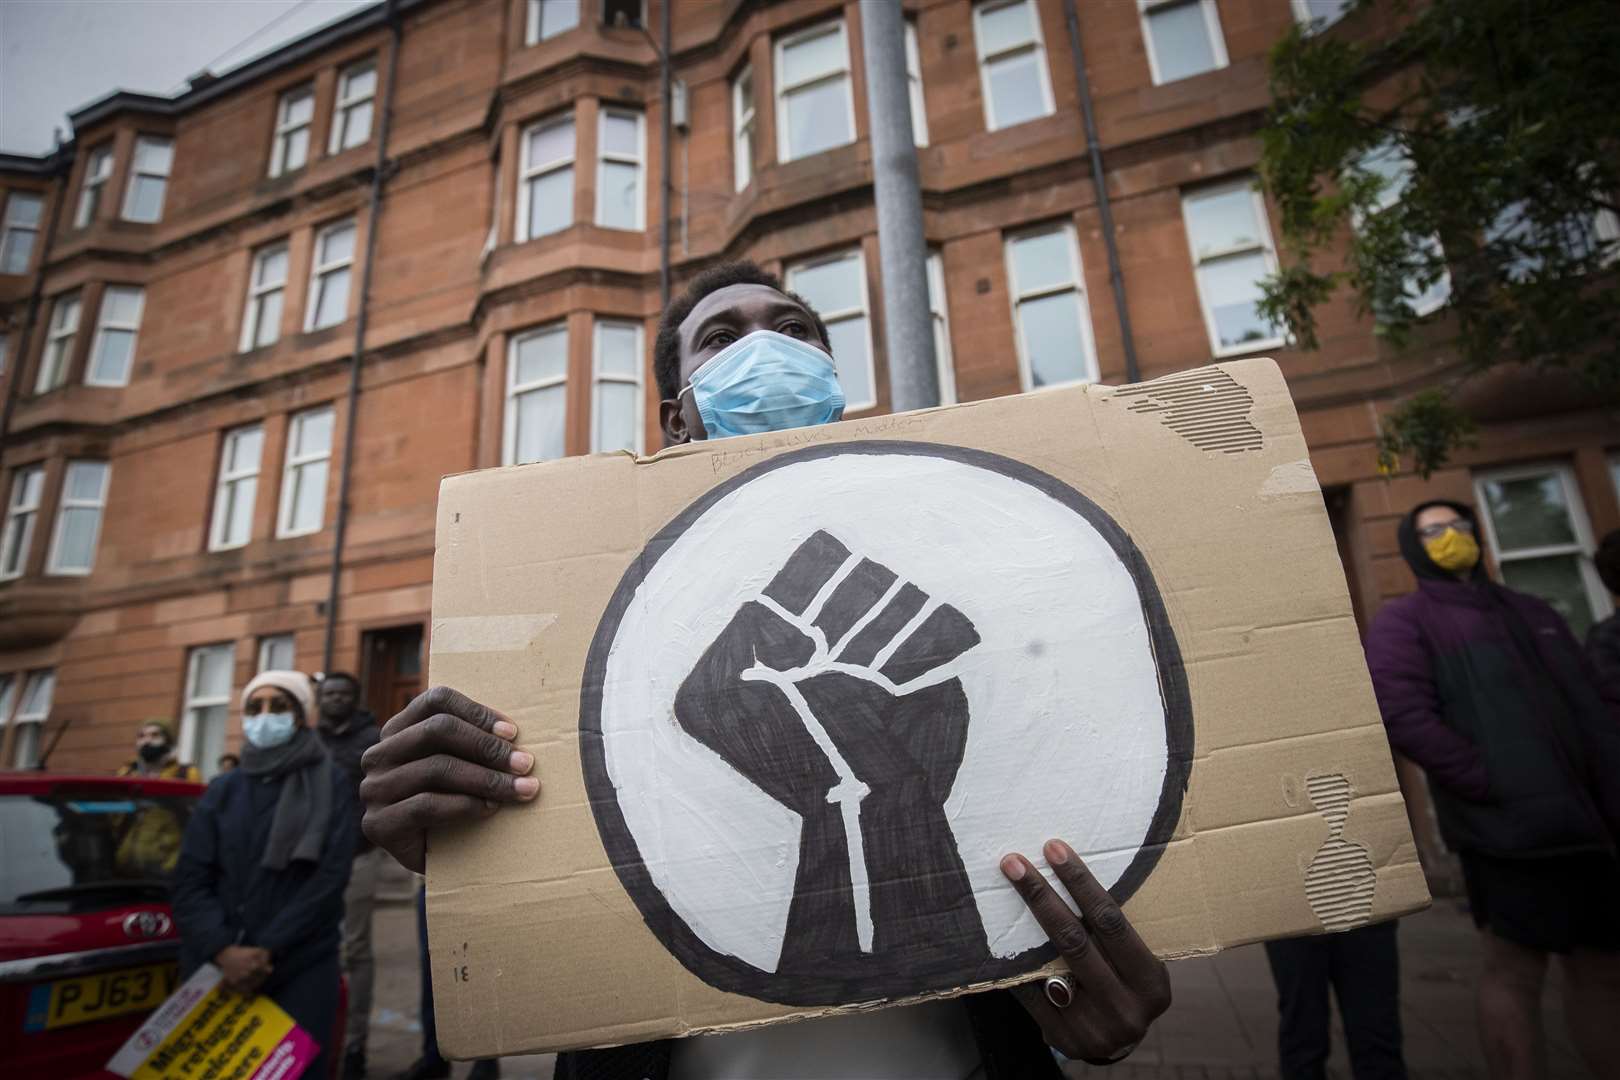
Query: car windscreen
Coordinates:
[70,851]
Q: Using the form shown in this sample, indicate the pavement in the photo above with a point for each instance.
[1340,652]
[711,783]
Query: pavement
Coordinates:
[1223,1025]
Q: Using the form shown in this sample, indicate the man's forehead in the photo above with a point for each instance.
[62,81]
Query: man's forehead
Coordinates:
[731,297]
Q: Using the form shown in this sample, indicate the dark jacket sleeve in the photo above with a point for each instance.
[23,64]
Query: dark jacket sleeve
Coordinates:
[312,907]
[1603,651]
[194,896]
[1403,679]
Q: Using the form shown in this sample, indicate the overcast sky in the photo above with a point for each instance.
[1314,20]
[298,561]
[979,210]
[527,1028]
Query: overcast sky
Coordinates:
[57,56]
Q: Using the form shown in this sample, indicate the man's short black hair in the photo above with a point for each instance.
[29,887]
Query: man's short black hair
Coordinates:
[344,675]
[667,349]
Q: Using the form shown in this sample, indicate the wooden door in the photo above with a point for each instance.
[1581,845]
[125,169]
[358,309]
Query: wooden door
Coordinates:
[392,672]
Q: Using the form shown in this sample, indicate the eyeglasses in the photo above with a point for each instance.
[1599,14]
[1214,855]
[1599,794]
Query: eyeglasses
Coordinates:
[1434,532]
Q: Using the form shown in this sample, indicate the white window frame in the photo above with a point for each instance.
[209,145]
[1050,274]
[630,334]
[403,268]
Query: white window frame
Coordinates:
[528,171]
[224,485]
[532,29]
[1076,285]
[53,564]
[1264,244]
[1314,23]
[293,466]
[104,323]
[1390,195]
[598,376]
[784,148]
[603,157]
[1036,46]
[25,749]
[939,316]
[11,227]
[1212,24]
[837,315]
[135,173]
[187,750]
[60,336]
[344,106]
[285,128]
[743,128]
[21,517]
[268,644]
[1583,547]
[319,271]
[914,86]
[257,291]
[515,390]
[98,169]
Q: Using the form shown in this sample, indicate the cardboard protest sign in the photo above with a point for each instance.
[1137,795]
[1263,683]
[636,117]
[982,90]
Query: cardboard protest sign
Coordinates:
[793,696]
[205,1032]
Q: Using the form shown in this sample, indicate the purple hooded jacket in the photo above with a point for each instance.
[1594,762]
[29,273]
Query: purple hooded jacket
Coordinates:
[1488,691]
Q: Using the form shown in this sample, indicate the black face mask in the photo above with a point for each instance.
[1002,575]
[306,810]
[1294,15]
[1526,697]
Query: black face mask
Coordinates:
[152,753]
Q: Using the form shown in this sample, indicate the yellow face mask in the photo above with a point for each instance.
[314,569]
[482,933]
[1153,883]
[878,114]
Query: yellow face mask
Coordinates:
[1453,551]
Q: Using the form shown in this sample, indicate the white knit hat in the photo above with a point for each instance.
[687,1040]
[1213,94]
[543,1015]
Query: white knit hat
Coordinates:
[295,683]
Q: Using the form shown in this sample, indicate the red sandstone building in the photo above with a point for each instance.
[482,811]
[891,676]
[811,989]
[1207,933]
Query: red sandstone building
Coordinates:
[184,284]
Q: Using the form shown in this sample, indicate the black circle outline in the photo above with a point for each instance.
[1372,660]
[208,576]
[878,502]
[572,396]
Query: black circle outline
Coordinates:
[732,974]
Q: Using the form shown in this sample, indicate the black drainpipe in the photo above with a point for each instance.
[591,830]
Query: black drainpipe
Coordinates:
[667,77]
[1133,373]
[19,353]
[378,175]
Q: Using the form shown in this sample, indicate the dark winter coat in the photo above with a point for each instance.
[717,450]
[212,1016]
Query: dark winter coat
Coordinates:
[222,896]
[360,733]
[1489,692]
[1603,650]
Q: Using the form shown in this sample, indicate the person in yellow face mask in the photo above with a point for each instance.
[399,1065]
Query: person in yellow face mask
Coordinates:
[1487,689]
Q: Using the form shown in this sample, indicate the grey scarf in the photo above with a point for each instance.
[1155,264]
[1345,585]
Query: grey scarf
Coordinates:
[304,810]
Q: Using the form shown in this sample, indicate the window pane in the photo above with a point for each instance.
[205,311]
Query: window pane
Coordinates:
[121,304]
[1322,13]
[332,304]
[1230,289]
[272,267]
[360,83]
[831,286]
[84,481]
[314,432]
[113,351]
[850,349]
[298,108]
[357,125]
[621,134]
[541,356]
[24,210]
[615,407]
[812,58]
[208,738]
[154,156]
[1051,327]
[1529,512]
[1181,42]
[308,498]
[1557,580]
[145,199]
[551,202]
[620,194]
[239,510]
[29,488]
[553,142]
[540,417]
[268,328]
[818,118]
[557,16]
[15,251]
[242,451]
[75,547]
[277,653]
[211,677]
[1004,28]
[1222,220]
[1042,261]
[1389,162]
[1015,90]
[616,349]
[337,245]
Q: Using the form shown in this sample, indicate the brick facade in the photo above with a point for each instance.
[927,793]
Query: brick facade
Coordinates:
[453,285]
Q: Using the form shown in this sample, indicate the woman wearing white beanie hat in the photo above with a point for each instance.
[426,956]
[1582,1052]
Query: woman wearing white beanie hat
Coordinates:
[266,855]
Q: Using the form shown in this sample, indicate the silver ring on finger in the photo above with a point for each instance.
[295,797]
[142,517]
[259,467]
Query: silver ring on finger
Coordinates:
[1059,990]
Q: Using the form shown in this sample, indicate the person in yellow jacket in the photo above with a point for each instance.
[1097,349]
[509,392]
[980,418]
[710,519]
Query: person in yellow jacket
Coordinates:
[150,846]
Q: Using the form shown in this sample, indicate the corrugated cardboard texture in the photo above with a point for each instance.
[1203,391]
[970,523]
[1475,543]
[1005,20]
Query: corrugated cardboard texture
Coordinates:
[1290,822]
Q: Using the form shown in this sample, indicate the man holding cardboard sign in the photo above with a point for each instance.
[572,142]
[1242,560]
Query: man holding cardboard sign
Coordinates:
[836,638]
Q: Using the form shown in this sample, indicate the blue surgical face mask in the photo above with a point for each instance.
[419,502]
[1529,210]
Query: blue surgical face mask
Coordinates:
[268,730]
[766,382]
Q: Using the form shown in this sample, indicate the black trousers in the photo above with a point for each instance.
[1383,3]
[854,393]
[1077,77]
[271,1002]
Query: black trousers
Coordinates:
[1363,968]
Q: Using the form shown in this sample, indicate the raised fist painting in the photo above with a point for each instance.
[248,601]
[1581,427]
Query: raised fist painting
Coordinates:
[832,692]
